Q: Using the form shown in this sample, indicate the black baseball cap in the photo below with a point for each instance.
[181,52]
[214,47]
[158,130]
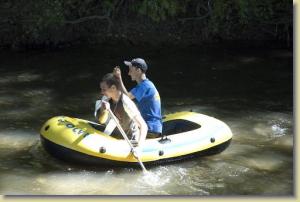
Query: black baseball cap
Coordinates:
[137,62]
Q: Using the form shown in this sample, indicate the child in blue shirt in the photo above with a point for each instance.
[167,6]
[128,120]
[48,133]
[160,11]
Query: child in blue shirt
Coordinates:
[145,94]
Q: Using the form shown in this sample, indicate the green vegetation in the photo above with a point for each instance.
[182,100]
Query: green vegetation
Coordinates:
[51,23]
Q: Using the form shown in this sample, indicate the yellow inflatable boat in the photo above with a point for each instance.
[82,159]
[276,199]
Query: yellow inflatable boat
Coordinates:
[185,135]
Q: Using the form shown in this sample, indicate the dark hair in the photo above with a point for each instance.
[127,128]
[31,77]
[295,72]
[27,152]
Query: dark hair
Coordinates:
[110,80]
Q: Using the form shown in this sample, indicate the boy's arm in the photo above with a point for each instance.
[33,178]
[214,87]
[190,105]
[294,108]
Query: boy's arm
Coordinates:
[117,73]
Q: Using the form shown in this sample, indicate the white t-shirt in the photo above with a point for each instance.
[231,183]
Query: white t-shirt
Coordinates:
[125,111]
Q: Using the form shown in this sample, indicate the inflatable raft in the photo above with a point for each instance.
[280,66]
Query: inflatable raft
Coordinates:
[185,135]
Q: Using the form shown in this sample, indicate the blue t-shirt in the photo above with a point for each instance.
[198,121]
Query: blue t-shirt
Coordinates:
[148,102]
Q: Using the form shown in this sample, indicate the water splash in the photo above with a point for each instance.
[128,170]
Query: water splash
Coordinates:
[278,130]
[154,178]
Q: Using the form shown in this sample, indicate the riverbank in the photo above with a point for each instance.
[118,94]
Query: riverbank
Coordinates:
[57,24]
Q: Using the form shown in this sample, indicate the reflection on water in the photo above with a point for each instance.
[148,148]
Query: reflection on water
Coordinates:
[251,92]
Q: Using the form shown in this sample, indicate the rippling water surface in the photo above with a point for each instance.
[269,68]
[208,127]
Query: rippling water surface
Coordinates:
[250,90]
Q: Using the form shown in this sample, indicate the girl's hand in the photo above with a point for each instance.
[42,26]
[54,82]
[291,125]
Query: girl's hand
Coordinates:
[105,104]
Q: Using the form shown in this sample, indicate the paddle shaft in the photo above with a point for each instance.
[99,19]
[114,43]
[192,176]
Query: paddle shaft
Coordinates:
[126,138]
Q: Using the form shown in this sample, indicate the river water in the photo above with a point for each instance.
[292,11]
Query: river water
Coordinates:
[249,89]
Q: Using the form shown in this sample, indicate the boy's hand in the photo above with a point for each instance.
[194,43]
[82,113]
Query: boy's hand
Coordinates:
[117,72]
